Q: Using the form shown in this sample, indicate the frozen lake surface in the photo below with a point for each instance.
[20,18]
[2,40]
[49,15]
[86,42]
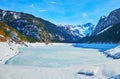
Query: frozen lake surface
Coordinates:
[61,55]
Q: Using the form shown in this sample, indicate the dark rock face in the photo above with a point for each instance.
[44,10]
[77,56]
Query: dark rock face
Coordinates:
[111,35]
[104,22]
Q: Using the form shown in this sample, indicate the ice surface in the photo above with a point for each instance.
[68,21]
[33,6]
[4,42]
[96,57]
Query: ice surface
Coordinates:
[58,56]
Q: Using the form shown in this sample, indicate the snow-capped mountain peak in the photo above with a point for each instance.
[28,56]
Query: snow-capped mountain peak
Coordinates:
[80,30]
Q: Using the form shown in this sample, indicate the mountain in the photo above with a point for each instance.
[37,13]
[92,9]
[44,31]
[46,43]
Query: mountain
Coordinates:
[111,35]
[88,29]
[7,33]
[36,29]
[80,30]
[104,22]
[107,29]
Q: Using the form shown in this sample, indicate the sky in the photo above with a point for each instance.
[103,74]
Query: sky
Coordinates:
[70,12]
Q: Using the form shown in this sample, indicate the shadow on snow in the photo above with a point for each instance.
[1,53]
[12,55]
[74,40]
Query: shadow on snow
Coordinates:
[100,47]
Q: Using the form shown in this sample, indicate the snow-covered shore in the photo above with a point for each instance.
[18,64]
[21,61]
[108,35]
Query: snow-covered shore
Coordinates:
[113,53]
[109,70]
[43,44]
[7,50]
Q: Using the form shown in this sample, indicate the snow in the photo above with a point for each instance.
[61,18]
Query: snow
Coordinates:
[114,52]
[7,51]
[107,70]
[80,30]
[104,71]
[115,77]
[52,56]
[37,44]
[4,13]
[103,17]
[104,30]
[20,20]
[16,15]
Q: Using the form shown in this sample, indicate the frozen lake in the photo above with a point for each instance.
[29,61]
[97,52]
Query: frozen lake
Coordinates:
[61,55]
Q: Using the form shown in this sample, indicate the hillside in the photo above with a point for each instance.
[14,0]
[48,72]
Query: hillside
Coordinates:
[112,35]
[8,32]
[112,19]
[36,29]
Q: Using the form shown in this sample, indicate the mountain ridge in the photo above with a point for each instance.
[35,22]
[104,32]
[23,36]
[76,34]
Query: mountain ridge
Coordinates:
[7,33]
[107,30]
[36,29]
[104,22]
[80,30]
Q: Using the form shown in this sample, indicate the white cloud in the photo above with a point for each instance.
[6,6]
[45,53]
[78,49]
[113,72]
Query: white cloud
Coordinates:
[86,18]
[53,2]
[32,6]
[42,10]
[84,15]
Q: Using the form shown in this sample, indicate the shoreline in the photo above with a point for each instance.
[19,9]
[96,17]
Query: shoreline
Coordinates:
[10,50]
[7,51]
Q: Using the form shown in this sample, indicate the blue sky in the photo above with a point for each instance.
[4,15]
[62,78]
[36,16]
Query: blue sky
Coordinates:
[72,12]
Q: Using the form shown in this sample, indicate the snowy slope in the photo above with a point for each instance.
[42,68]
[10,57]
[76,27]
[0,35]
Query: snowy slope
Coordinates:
[36,29]
[113,53]
[81,30]
[7,50]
